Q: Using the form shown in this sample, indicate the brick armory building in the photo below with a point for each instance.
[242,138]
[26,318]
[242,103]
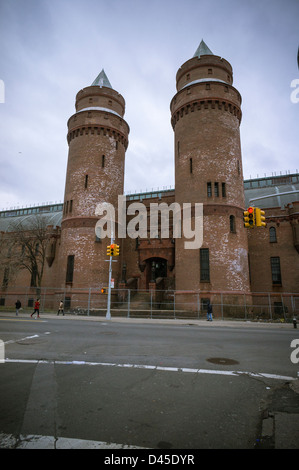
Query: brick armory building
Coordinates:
[205,116]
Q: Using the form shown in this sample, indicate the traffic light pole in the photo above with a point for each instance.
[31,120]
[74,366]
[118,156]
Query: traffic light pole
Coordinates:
[108,314]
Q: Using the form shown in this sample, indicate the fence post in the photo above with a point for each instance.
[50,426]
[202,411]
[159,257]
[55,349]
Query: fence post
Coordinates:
[88,306]
[245,309]
[270,308]
[26,297]
[198,306]
[44,296]
[283,309]
[221,300]
[129,295]
[174,304]
[151,304]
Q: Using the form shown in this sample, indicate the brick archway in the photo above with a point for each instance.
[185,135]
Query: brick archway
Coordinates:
[155,267]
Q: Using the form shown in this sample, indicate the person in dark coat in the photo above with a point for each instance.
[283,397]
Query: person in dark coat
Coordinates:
[18,306]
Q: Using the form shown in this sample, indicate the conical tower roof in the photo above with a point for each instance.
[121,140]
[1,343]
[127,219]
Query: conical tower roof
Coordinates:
[202,50]
[102,80]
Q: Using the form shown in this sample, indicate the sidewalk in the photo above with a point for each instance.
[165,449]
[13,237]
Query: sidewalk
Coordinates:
[166,321]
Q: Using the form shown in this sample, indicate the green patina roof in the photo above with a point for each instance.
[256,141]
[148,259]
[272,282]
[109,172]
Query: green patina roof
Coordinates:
[102,80]
[202,50]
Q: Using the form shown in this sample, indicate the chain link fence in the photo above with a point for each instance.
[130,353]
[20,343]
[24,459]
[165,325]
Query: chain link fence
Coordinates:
[279,307]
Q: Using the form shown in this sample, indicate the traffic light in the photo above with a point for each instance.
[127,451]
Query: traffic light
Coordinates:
[108,250]
[103,290]
[112,250]
[260,217]
[116,250]
[251,217]
[248,217]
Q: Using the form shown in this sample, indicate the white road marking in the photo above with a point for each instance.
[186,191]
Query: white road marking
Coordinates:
[22,339]
[152,367]
[8,441]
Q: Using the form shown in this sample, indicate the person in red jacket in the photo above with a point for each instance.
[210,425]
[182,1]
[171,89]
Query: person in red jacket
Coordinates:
[36,308]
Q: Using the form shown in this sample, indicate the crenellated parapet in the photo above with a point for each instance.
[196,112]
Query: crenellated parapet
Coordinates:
[201,105]
[105,131]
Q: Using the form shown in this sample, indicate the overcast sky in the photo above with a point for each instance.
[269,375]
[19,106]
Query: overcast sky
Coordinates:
[50,49]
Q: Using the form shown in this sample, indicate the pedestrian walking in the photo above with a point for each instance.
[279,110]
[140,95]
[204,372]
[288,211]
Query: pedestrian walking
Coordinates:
[18,306]
[209,312]
[60,309]
[36,308]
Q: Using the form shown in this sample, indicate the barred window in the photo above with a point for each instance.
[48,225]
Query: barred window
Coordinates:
[275,270]
[209,189]
[204,264]
[272,234]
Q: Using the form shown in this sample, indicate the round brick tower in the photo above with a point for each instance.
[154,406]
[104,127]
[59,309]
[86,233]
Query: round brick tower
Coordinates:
[206,116]
[97,138]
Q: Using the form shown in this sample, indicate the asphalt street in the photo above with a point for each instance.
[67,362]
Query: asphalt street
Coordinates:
[129,383]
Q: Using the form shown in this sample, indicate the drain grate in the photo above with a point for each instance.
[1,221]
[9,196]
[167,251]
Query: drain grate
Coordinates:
[223,361]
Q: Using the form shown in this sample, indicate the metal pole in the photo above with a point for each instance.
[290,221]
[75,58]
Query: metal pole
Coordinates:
[221,300]
[129,293]
[174,303]
[270,309]
[88,305]
[108,314]
[151,304]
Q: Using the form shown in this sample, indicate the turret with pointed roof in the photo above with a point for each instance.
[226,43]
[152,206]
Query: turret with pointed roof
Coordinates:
[98,139]
[206,114]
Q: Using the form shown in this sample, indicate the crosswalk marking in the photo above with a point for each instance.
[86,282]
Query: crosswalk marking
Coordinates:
[153,367]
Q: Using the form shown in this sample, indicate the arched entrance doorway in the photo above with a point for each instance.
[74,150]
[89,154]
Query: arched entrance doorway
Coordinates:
[155,268]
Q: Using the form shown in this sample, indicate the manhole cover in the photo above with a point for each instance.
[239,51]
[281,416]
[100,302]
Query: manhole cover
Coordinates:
[31,341]
[223,361]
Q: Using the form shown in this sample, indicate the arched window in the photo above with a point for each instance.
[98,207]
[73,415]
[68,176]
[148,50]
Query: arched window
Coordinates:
[232,224]
[272,234]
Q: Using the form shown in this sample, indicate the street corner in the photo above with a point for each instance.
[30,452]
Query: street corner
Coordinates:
[294,385]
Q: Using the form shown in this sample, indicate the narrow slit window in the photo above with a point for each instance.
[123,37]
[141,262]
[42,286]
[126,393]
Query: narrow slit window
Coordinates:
[103,161]
[191,169]
[209,189]
[70,268]
[86,181]
[216,189]
[204,264]
[232,224]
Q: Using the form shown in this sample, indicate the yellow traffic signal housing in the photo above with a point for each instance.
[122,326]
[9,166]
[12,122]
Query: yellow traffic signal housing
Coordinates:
[249,218]
[246,219]
[260,217]
[113,250]
[103,290]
